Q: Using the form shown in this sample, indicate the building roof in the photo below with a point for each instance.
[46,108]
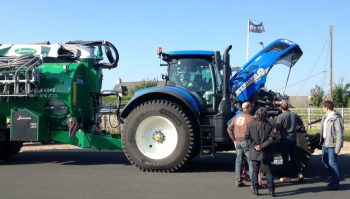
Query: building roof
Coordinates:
[299,101]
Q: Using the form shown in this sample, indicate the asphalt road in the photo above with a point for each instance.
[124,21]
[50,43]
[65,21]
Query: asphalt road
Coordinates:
[106,174]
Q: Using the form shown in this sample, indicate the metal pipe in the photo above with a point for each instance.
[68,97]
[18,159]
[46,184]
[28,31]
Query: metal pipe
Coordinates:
[226,72]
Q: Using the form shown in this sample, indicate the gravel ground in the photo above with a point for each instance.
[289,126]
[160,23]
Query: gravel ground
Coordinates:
[54,147]
[29,146]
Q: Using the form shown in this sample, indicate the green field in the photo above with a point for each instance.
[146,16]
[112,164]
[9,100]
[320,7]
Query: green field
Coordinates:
[346,133]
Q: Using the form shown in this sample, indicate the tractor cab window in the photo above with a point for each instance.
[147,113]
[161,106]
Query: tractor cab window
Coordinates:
[195,76]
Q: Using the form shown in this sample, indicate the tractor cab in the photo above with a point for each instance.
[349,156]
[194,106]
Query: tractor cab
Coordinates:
[197,73]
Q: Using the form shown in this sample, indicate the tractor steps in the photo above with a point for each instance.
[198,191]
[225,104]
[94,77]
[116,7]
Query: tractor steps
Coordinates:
[207,138]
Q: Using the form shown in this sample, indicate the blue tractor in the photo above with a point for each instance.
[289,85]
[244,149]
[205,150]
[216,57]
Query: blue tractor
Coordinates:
[166,126]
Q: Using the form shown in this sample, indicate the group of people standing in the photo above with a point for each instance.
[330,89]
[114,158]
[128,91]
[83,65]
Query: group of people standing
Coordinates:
[255,139]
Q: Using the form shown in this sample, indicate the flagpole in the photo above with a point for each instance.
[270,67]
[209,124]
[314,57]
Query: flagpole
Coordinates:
[248,40]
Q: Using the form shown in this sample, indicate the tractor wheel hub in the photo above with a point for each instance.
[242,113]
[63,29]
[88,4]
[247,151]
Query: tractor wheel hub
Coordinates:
[159,137]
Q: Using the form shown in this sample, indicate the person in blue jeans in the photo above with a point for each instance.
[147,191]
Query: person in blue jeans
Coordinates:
[332,138]
[240,124]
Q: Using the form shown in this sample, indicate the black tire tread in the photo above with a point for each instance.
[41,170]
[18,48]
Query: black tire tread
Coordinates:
[175,107]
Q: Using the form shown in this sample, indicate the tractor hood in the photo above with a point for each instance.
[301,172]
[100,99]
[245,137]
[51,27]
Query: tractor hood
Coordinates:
[253,75]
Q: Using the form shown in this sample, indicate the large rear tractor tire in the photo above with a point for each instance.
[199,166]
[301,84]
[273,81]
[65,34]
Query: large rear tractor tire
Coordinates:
[304,148]
[158,136]
[304,152]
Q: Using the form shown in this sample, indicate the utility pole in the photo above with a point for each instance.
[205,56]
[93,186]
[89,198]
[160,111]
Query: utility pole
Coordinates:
[331,62]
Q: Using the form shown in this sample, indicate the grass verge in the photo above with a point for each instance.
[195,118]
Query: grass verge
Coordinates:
[346,133]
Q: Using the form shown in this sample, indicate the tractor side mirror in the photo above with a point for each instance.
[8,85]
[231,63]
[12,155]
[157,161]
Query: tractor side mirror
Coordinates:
[165,77]
[123,90]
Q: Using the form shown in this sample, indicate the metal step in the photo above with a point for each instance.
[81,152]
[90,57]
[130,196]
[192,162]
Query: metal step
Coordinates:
[207,138]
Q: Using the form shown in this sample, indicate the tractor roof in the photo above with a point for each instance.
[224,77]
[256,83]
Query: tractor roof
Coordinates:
[188,53]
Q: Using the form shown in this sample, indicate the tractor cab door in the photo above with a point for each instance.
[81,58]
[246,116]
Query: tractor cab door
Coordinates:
[196,76]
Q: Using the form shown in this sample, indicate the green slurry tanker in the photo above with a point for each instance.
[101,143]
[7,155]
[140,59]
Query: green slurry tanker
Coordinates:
[52,92]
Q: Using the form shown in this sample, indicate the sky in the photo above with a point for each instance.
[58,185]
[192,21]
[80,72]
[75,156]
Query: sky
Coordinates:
[138,27]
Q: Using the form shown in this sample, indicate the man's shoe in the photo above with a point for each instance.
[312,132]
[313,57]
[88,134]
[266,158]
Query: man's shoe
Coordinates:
[300,177]
[263,186]
[284,179]
[241,184]
[332,187]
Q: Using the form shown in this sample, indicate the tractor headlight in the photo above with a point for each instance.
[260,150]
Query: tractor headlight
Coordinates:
[57,107]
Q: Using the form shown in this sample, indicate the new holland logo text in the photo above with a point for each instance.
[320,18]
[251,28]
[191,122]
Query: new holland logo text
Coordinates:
[25,51]
[23,118]
[254,79]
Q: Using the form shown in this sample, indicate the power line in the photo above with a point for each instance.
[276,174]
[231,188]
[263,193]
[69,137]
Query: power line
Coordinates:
[302,80]
[313,67]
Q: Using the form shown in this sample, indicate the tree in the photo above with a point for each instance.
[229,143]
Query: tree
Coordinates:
[340,94]
[142,84]
[317,95]
[347,88]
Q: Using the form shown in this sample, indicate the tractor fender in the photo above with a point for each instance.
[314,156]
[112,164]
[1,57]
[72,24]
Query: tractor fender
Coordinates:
[174,94]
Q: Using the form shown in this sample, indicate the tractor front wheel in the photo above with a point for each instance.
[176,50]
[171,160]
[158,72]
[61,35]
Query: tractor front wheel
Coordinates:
[158,136]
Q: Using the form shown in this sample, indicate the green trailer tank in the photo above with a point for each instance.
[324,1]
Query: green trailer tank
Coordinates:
[52,92]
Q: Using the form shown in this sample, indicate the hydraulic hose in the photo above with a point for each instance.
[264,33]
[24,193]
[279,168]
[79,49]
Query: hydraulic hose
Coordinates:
[15,62]
[109,47]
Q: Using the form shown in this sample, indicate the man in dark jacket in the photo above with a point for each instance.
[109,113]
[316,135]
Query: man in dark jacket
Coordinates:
[259,135]
[287,125]
[332,138]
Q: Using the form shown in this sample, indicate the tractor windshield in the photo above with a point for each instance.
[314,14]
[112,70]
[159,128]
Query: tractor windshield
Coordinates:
[191,74]
[194,75]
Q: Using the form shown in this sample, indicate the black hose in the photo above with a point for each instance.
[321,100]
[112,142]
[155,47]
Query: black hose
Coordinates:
[113,62]
[314,122]
[117,110]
